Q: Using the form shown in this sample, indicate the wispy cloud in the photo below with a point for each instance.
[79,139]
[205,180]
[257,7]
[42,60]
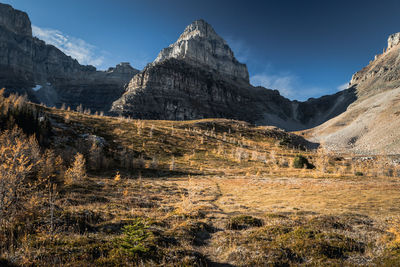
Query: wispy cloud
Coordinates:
[288,85]
[239,48]
[79,49]
[343,86]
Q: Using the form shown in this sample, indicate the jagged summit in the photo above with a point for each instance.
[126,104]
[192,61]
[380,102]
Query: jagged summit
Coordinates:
[200,45]
[200,29]
[393,40]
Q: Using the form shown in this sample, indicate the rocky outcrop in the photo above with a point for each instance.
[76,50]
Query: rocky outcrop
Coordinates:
[199,77]
[393,40]
[14,20]
[200,45]
[27,62]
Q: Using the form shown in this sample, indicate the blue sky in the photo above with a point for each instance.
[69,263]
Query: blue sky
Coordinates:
[303,48]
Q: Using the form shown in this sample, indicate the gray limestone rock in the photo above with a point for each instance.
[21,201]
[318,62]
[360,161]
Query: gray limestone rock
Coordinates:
[176,90]
[15,20]
[199,44]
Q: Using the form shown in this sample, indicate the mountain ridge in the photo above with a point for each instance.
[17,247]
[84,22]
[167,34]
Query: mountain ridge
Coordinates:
[370,124]
[27,62]
[219,88]
[204,80]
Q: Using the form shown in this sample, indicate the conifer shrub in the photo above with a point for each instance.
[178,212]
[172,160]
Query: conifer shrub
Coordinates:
[137,239]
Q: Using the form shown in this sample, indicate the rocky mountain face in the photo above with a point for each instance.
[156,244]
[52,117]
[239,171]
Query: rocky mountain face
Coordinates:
[46,74]
[199,77]
[371,124]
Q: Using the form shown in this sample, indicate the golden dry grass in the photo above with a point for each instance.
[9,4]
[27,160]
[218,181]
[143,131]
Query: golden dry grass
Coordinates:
[188,180]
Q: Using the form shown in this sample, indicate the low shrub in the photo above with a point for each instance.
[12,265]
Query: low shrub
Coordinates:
[243,222]
[300,162]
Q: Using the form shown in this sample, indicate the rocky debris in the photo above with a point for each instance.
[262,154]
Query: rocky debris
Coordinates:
[368,127]
[94,139]
[27,62]
[199,44]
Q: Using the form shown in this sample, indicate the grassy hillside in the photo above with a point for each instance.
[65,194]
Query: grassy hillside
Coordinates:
[191,193]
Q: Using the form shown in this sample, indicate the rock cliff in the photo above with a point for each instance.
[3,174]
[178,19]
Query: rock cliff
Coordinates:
[27,62]
[14,20]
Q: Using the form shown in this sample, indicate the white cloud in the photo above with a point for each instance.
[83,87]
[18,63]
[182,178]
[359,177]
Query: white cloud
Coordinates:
[284,83]
[85,53]
[343,86]
[288,85]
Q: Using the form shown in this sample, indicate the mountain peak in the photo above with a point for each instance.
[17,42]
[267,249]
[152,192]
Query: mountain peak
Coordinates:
[200,45]
[200,29]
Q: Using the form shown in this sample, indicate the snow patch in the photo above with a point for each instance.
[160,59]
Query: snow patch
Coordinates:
[37,87]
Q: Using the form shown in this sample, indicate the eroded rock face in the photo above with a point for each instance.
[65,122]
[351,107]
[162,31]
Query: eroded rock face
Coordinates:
[27,62]
[199,44]
[14,20]
[176,90]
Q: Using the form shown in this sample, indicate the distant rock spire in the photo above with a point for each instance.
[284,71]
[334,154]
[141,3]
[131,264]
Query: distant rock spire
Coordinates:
[199,44]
